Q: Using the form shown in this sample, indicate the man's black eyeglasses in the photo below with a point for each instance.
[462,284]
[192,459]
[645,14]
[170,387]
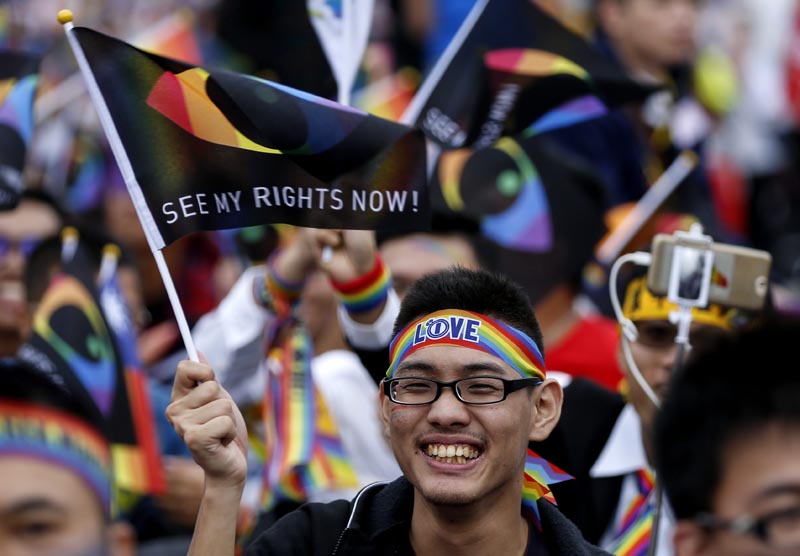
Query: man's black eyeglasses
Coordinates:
[779,529]
[475,390]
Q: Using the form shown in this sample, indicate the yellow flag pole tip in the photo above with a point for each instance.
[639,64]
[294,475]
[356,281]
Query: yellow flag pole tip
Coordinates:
[69,233]
[64,16]
[112,250]
[690,157]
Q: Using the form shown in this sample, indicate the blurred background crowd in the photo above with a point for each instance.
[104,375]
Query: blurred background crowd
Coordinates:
[732,96]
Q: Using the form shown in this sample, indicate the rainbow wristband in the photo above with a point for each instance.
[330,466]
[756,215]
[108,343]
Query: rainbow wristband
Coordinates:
[367,291]
[455,327]
[275,293]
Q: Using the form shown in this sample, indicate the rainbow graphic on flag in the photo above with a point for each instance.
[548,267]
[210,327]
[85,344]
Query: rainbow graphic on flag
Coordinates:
[515,212]
[532,62]
[570,113]
[246,151]
[69,320]
[718,279]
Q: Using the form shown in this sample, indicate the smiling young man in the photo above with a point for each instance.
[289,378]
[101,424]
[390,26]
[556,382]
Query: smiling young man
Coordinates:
[728,446]
[465,392]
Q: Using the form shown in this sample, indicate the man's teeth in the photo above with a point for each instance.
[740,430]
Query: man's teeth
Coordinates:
[452,453]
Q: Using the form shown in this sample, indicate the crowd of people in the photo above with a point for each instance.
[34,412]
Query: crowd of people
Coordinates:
[362,392]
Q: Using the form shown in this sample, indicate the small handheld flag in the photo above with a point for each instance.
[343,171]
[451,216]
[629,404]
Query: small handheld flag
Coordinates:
[211,149]
[510,63]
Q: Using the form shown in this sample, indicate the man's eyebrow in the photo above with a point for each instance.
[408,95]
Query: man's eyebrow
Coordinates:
[778,490]
[31,504]
[471,368]
[415,366]
[484,366]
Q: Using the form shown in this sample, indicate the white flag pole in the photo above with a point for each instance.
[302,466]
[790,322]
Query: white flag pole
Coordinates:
[647,205]
[343,83]
[344,51]
[154,239]
[414,108]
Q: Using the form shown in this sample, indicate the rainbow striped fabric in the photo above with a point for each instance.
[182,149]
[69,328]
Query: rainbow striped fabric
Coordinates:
[539,474]
[365,292]
[455,327]
[633,536]
[303,452]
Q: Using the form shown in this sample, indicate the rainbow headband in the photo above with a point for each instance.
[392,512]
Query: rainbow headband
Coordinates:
[454,327]
[33,431]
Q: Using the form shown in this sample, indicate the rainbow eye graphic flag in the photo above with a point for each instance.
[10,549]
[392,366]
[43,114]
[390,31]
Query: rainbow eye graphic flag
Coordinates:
[212,149]
[18,81]
[501,186]
[74,342]
[542,209]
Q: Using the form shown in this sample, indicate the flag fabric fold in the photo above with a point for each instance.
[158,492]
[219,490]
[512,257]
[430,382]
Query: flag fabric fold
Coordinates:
[212,149]
[508,65]
[19,78]
[343,28]
[138,467]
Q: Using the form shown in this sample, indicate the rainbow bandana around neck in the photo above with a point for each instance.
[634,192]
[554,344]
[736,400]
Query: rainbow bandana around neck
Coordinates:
[455,327]
[55,437]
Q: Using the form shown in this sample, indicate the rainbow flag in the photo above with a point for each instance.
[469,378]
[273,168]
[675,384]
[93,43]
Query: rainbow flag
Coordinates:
[212,149]
[507,186]
[137,467]
[541,209]
[509,64]
[18,82]
[303,452]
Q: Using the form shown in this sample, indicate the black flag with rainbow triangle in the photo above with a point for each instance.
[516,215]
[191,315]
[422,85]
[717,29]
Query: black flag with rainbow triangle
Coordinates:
[211,149]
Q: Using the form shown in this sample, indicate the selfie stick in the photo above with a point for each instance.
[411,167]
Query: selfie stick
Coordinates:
[693,248]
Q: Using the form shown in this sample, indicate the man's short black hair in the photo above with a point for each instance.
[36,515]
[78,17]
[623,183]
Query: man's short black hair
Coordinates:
[21,382]
[479,291]
[742,384]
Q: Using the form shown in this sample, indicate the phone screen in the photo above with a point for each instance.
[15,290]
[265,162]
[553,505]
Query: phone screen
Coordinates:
[690,275]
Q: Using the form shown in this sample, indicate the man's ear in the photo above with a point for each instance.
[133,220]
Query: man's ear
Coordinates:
[121,539]
[546,409]
[386,408]
[689,539]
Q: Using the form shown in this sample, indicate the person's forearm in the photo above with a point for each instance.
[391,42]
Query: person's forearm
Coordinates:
[215,529]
